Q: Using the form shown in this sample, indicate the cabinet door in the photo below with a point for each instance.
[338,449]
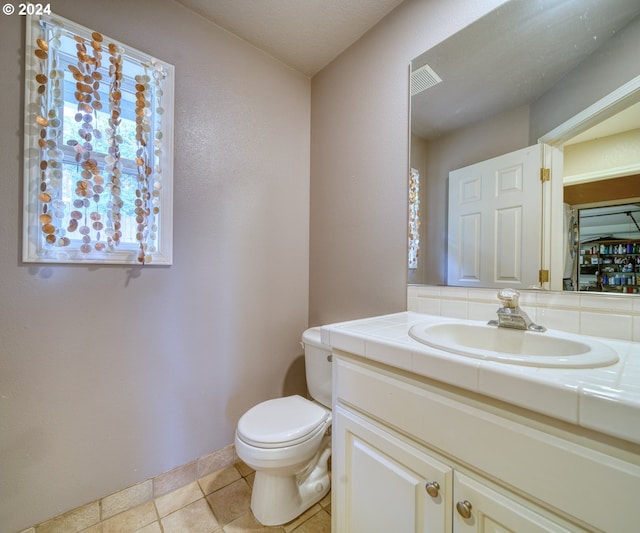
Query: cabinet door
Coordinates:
[482,509]
[380,482]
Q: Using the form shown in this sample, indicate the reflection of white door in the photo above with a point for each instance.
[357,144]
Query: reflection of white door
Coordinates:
[495,212]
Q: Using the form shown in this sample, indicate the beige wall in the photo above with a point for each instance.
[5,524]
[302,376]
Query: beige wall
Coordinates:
[111,375]
[359,161]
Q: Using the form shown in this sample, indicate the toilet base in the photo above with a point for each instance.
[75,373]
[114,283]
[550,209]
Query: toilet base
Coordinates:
[276,500]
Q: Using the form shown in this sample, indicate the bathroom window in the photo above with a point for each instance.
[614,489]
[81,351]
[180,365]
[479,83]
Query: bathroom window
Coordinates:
[98,148]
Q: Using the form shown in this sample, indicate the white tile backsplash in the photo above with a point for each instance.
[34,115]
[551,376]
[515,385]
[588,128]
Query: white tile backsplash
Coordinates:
[605,302]
[454,308]
[612,326]
[562,319]
[601,315]
[481,310]
[429,306]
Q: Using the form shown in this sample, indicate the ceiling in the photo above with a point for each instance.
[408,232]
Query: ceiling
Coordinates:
[304,34]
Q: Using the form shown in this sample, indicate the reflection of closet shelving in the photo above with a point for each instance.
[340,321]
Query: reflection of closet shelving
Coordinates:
[610,266]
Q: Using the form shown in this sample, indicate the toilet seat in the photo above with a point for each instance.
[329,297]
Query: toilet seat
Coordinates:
[282,422]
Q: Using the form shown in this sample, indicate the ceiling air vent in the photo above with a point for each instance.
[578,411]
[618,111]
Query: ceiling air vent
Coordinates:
[423,78]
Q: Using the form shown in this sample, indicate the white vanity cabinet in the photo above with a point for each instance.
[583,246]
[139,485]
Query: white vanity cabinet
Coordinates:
[387,485]
[383,481]
[494,511]
[411,455]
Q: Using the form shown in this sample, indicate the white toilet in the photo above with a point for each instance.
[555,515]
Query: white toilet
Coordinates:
[286,441]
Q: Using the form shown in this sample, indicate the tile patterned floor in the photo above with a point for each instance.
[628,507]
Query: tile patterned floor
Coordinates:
[216,503]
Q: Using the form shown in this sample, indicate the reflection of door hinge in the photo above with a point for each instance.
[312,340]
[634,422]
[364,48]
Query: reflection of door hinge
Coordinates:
[543,276]
[545,174]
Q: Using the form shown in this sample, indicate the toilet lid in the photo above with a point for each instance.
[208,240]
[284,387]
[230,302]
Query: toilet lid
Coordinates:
[282,421]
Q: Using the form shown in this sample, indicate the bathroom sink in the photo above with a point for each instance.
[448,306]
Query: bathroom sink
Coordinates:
[548,349]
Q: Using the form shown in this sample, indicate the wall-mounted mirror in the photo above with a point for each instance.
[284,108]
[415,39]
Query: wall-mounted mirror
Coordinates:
[500,85]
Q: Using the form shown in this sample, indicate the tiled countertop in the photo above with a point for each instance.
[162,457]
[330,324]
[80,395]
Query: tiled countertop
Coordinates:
[605,399]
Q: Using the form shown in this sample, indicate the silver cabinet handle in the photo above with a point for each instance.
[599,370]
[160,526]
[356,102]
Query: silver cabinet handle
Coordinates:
[433,489]
[464,509]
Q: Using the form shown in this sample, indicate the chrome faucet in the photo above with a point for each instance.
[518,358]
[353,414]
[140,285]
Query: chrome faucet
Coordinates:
[511,316]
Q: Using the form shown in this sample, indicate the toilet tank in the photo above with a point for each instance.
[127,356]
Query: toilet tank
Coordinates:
[317,359]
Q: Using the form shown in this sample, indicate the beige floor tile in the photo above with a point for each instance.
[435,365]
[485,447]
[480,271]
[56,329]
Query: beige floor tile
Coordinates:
[326,501]
[216,461]
[219,502]
[231,501]
[248,524]
[126,499]
[93,529]
[219,479]
[132,520]
[290,526]
[318,523]
[244,469]
[76,520]
[174,479]
[154,527]
[168,503]
[194,518]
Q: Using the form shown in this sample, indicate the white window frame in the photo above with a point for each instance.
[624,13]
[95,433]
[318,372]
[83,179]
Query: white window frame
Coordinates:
[35,248]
